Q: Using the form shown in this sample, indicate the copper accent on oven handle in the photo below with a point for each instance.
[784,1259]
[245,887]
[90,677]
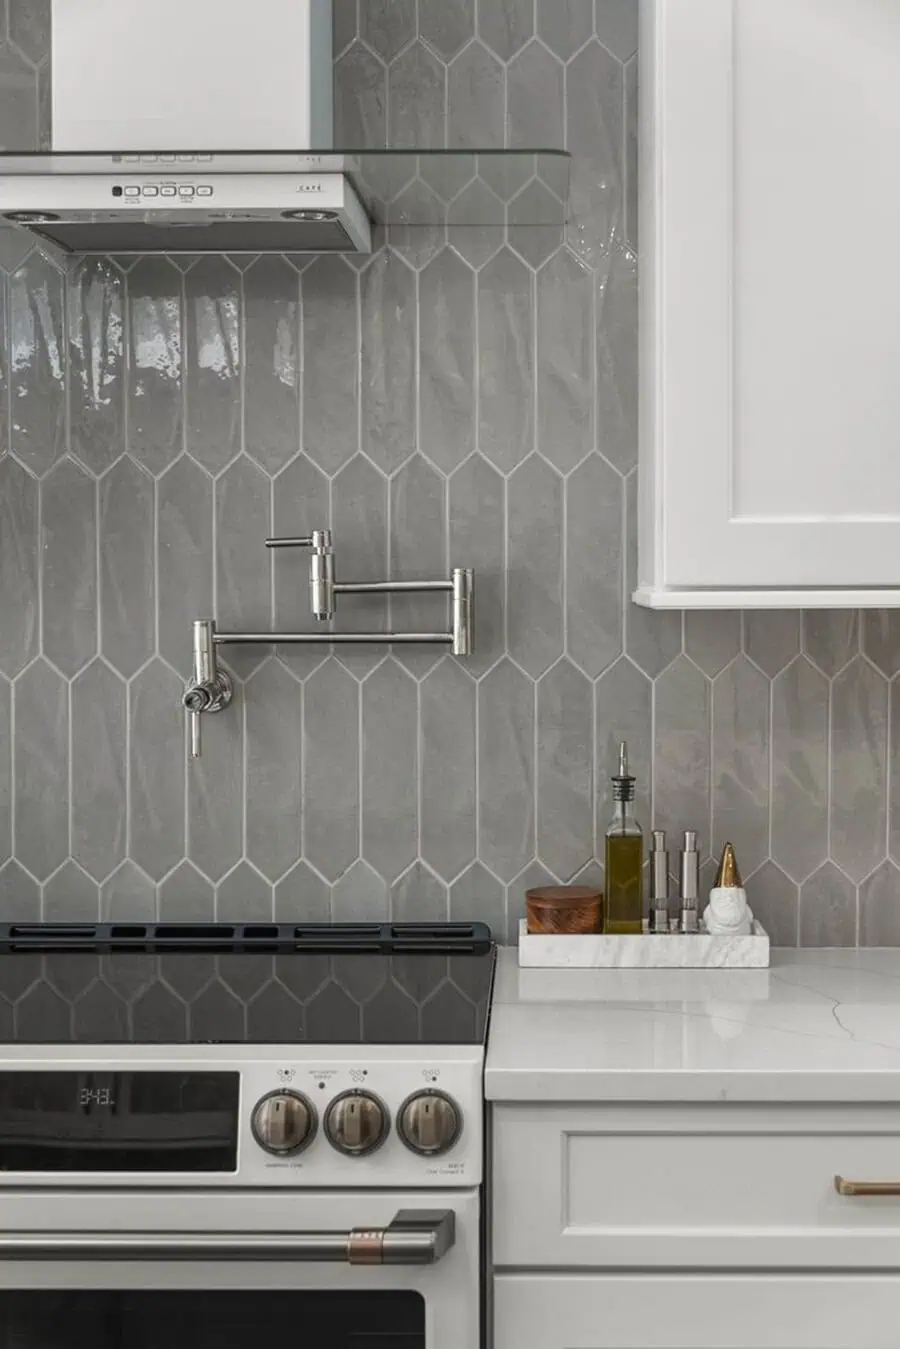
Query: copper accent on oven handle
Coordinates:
[857,1189]
[413,1237]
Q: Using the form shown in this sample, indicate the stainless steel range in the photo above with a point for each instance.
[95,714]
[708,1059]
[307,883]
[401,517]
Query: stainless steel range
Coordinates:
[211,1132]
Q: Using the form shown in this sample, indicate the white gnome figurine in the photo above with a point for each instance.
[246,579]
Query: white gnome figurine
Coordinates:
[728,914]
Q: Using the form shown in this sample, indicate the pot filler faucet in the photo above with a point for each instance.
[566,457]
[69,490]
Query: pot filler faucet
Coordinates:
[210,689]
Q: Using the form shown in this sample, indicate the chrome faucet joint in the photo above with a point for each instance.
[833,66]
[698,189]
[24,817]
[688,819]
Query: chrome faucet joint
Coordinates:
[211,688]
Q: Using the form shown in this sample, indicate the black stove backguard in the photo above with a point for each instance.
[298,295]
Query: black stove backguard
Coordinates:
[238,984]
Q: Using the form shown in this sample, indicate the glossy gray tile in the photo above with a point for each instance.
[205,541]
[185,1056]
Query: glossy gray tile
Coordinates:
[273,701]
[155,336]
[681,757]
[156,768]
[828,909]
[19,566]
[213,361]
[740,763]
[330,361]
[184,558]
[446,361]
[506,821]
[446,25]
[215,793]
[99,769]
[448,755]
[477,507]
[417,82]
[506,26]
[388,362]
[38,366]
[388,25]
[6,841]
[127,573]
[95,298]
[565,26]
[390,770]
[69,567]
[360,895]
[565,770]
[712,639]
[462,398]
[859,732]
[534,560]
[419,896]
[331,770]
[594,565]
[506,361]
[41,769]
[535,109]
[70,895]
[243,563]
[418,551]
[565,360]
[475,98]
[799,769]
[879,915]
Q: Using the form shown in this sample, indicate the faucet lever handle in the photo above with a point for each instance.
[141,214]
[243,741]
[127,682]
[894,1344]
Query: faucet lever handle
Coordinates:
[321,568]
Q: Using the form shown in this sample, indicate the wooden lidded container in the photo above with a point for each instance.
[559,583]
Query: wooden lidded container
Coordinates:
[555,910]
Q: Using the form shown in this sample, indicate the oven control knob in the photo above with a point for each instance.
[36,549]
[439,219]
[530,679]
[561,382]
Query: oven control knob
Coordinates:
[429,1123]
[356,1123]
[283,1122]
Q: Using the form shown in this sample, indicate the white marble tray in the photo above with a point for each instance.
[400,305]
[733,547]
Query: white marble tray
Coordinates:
[675,951]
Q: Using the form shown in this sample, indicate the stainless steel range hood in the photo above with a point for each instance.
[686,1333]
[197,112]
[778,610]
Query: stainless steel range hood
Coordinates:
[250,84]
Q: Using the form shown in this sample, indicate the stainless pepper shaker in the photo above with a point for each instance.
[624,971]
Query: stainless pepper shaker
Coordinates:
[689,882]
[659,883]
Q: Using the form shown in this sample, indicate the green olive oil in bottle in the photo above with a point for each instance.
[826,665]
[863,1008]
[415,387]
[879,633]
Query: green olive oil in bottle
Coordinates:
[624,906]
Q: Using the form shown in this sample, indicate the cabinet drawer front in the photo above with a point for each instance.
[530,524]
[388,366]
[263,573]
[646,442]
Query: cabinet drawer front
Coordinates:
[688,1312]
[713,1186]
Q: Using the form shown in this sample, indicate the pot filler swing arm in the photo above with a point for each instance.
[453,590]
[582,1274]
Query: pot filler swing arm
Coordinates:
[211,689]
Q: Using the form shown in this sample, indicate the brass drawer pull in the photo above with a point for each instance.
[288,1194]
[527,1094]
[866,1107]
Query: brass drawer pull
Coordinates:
[855,1189]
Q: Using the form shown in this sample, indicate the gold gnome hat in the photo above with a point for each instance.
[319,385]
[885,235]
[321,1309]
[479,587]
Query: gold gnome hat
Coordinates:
[728,877]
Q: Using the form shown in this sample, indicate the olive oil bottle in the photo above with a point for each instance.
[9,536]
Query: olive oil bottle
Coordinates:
[624,907]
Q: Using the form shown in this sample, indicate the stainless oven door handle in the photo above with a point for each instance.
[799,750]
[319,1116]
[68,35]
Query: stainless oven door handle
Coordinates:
[414,1237]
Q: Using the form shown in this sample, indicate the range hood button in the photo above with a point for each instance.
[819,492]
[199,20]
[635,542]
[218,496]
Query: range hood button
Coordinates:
[167,192]
[185,192]
[151,191]
[132,192]
[204,191]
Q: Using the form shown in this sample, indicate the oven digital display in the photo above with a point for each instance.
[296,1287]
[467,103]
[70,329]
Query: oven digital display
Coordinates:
[118,1121]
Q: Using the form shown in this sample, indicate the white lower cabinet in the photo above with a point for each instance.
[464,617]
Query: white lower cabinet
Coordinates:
[692,1311]
[713,1226]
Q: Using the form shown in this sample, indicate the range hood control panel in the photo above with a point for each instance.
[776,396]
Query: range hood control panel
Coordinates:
[184,191]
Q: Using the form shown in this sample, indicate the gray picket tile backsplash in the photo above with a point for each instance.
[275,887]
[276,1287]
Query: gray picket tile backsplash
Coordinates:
[470,401]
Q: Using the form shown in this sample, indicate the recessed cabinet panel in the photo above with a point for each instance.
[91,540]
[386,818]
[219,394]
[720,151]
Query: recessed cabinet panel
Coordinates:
[770,449]
[694,1312]
[713,1187]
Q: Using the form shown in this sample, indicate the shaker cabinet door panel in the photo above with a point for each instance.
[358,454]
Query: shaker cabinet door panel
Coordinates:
[694,1187]
[687,1312]
[770,449]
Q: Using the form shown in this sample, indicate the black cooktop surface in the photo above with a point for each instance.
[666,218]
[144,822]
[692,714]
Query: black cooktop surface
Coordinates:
[172,984]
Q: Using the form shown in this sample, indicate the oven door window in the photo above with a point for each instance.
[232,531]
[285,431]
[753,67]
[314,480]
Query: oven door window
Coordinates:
[212,1320]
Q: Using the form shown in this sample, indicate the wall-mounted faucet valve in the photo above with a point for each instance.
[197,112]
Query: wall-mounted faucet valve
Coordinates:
[210,688]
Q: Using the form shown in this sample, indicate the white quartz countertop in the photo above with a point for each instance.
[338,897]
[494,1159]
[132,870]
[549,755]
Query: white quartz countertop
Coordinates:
[817,1026]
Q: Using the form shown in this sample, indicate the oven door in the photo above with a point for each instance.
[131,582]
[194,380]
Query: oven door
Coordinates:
[190,1269]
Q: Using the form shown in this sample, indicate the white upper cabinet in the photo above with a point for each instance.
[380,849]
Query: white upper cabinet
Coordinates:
[770,258]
